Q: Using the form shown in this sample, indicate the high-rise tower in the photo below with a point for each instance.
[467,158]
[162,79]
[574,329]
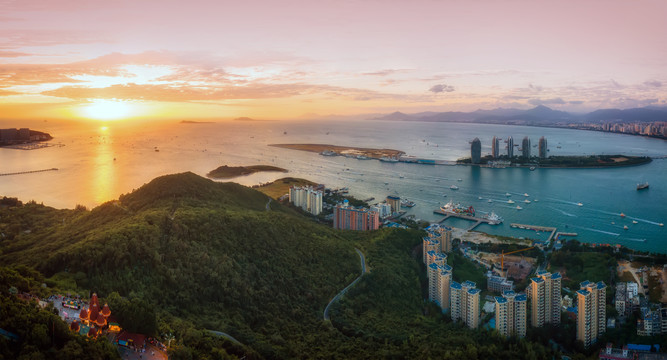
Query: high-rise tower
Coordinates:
[495,151]
[525,147]
[543,147]
[476,151]
[510,147]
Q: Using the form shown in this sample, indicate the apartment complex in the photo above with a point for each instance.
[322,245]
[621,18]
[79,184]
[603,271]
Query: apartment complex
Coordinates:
[591,311]
[439,282]
[511,314]
[464,303]
[347,217]
[306,198]
[545,295]
[394,202]
[499,284]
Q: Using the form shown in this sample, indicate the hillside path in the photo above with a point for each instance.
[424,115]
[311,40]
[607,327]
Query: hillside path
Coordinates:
[363,271]
[268,203]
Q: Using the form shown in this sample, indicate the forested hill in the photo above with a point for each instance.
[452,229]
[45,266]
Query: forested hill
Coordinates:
[200,250]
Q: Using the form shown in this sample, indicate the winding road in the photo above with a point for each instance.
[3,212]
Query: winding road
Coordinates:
[363,271]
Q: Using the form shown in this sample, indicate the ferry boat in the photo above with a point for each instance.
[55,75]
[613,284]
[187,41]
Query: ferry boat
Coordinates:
[625,227]
[527,201]
[642,186]
[526,194]
[454,187]
[510,201]
[493,218]
[580,204]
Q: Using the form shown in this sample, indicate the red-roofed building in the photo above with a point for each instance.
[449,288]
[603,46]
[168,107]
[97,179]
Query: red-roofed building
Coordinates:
[106,311]
[83,315]
[93,300]
[92,332]
[94,312]
[101,321]
[74,326]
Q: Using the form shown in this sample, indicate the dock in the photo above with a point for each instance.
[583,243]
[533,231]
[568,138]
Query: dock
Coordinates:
[537,228]
[28,172]
[477,220]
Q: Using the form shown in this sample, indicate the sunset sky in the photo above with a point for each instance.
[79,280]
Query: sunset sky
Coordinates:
[162,59]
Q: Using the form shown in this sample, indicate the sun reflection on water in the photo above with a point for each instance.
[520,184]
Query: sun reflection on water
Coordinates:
[104,175]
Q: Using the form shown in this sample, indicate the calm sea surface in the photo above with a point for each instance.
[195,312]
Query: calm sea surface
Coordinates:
[97,164]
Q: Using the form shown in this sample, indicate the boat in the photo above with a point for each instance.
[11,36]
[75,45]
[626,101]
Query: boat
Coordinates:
[388,159]
[642,186]
[328,153]
[532,168]
[580,204]
[661,224]
[444,195]
[490,201]
[457,209]
[508,194]
[459,180]
[519,207]
[622,215]
[510,201]
[363,157]
[535,200]
[635,222]
[454,187]
[613,223]
[493,218]
[526,194]
[527,201]
[479,198]
[407,203]
[625,227]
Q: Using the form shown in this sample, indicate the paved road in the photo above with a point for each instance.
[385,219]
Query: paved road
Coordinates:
[225,335]
[363,271]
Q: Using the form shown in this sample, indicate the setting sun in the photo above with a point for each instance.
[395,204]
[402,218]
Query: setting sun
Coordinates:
[107,110]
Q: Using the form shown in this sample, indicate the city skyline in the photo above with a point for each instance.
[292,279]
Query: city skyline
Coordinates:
[296,59]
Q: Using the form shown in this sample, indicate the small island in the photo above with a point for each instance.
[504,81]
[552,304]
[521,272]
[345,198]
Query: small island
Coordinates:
[228,172]
[23,138]
[349,151]
[583,161]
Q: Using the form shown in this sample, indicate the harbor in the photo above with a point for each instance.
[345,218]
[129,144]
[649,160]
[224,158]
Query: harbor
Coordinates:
[477,220]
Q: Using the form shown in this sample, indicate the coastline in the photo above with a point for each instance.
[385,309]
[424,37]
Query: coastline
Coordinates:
[352,151]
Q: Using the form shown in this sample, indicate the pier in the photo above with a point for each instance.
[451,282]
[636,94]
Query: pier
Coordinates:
[477,220]
[537,228]
[28,172]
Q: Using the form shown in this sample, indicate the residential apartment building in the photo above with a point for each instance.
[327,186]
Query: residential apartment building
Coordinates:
[464,303]
[439,281]
[591,311]
[545,295]
[511,314]
[499,284]
[394,202]
[348,217]
[306,198]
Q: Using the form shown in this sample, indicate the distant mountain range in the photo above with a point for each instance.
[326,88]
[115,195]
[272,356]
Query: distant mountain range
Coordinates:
[540,115]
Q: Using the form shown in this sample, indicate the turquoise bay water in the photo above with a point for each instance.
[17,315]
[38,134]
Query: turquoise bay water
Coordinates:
[97,165]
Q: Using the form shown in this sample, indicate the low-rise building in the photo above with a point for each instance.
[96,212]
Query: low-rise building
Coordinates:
[499,284]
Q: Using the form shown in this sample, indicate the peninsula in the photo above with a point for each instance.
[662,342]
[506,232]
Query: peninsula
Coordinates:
[228,172]
[10,137]
[349,151]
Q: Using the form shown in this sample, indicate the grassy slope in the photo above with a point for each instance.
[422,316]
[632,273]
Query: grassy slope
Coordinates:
[205,251]
[280,187]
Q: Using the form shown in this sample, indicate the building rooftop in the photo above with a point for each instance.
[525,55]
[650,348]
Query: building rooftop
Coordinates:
[537,280]
[556,276]
[474,291]
[392,197]
[469,283]
[521,297]
[455,285]
[500,300]
[433,266]
[583,292]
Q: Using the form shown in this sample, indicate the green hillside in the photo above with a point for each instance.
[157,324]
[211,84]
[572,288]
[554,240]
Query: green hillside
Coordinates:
[184,254]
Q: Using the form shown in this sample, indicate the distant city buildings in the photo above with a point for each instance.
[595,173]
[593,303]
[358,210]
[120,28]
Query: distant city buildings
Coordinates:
[652,322]
[591,311]
[545,295]
[495,147]
[525,147]
[348,217]
[511,314]
[383,209]
[655,129]
[306,198]
[20,136]
[510,147]
[542,148]
[464,303]
[476,151]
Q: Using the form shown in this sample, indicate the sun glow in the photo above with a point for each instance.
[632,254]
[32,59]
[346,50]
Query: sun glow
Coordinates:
[105,110]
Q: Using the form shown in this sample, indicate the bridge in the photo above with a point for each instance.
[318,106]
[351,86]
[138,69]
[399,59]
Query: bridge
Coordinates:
[28,172]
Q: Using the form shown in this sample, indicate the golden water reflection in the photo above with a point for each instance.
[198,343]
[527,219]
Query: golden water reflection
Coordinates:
[104,175]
